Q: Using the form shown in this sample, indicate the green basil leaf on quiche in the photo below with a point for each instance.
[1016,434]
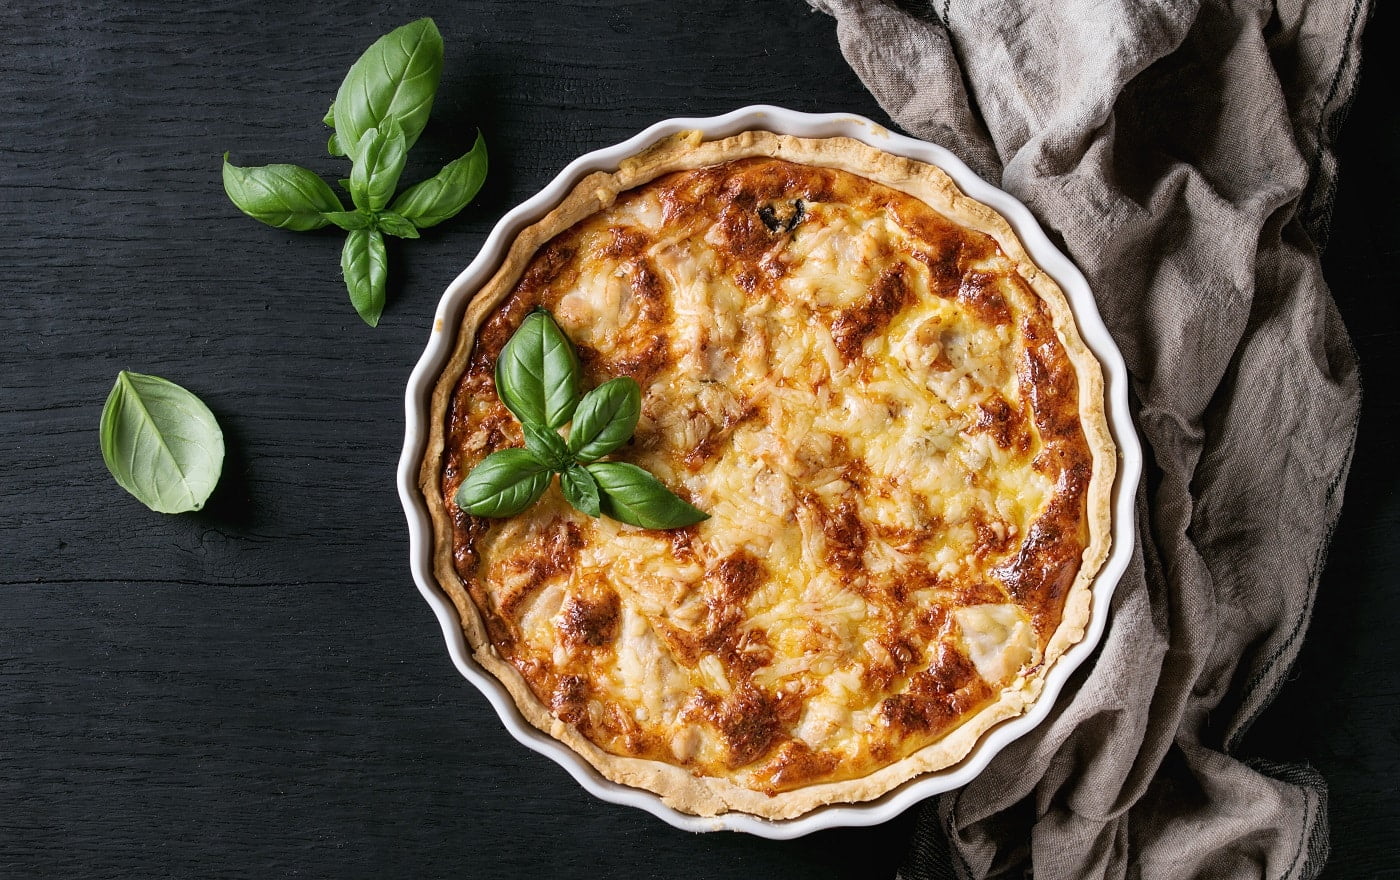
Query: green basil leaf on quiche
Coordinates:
[503,484]
[631,495]
[546,445]
[605,419]
[581,490]
[537,373]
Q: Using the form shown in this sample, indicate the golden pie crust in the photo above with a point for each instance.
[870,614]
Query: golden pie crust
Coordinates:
[888,412]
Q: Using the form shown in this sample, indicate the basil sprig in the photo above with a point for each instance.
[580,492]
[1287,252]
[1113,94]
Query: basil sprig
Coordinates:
[378,113]
[537,378]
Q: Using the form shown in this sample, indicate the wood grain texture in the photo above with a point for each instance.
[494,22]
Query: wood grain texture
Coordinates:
[257,689]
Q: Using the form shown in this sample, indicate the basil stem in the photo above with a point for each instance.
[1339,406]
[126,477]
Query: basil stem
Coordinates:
[440,197]
[633,496]
[396,78]
[161,443]
[378,161]
[605,419]
[285,196]
[581,490]
[503,484]
[365,266]
[537,373]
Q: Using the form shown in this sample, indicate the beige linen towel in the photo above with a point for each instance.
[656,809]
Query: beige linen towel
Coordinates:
[1181,152]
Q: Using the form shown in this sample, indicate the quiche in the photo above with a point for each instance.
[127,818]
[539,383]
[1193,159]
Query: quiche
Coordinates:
[888,413]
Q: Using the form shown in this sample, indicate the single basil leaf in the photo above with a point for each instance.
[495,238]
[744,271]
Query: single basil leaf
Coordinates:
[332,143]
[581,490]
[546,445]
[285,196]
[390,223]
[503,484]
[344,183]
[440,197]
[605,418]
[378,159]
[396,78]
[365,266]
[351,220]
[161,443]
[537,373]
[631,495]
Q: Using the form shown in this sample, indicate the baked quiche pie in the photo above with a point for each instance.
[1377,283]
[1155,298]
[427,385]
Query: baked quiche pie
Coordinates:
[887,412]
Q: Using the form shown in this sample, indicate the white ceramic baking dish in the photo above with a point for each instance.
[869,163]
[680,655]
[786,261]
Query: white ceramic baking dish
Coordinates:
[775,119]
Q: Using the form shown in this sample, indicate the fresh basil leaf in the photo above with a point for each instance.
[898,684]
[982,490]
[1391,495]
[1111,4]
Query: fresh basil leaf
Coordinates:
[351,220]
[503,484]
[547,446]
[633,496]
[365,266]
[537,373]
[285,196]
[390,223]
[344,183]
[440,197]
[333,142]
[581,490]
[396,78]
[161,443]
[605,419]
[378,162]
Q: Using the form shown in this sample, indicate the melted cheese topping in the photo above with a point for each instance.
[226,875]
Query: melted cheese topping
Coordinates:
[878,416]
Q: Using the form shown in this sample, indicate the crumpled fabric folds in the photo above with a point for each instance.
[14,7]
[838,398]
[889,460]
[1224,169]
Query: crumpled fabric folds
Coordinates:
[1181,154]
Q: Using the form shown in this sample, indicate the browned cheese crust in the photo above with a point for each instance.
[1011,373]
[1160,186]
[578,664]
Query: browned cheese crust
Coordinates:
[873,591]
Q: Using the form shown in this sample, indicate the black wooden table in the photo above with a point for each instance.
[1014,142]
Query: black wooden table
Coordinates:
[257,689]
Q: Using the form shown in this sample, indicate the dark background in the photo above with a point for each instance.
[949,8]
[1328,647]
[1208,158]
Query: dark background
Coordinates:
[258,689]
